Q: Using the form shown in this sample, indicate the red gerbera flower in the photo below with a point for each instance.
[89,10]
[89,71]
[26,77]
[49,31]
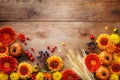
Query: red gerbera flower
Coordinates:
[7,35]
[92,62]
[8,64]
[70,75]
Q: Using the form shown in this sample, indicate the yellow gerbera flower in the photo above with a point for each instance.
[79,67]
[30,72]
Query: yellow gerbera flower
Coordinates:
[118,59]
[115,38]
[103,41]
[14,76]
[3,76]
[57,76]
[40,76]
[115,56]
[24,70]
[55,63]
[114,77]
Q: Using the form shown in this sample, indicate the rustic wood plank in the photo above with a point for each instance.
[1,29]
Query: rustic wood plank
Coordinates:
[59,0]
[74,34]
[59,11]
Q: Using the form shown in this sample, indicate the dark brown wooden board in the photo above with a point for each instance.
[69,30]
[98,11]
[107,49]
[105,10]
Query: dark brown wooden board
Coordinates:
[60,10]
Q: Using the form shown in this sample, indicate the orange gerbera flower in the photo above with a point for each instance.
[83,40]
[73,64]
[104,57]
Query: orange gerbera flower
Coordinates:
[3,50]
[115,67]
[55,63]
[47,76]
[111,47]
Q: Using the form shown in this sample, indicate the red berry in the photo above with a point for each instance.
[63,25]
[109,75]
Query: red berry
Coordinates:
[29,55]
[25,43]
[48,47]
[21,37]
[27,38]
[92,37]
[55,47]
[34,74]
[26,52]
[31,59]
[33,49]
[52,50]
[33,78]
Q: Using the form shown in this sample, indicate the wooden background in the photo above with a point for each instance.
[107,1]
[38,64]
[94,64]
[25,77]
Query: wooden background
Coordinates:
[48,22]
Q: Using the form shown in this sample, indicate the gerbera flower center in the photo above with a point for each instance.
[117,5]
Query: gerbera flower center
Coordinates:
[117,48]
[2,49]
[93,62]
[54,64]
[104,41]
[6,35]
[116,68]
[6,65]
[14,50]
[24,70]
[104,74]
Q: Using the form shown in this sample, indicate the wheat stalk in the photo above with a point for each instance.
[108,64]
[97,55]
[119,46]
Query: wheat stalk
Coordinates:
[76,63]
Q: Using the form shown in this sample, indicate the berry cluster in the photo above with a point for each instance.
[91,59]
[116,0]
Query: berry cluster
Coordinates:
[21,37]
[52,49]
[29,55]
[42,57]
[92,47]
[33,76]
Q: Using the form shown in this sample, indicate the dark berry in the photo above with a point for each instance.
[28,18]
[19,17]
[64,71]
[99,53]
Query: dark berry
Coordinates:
[27,38]
[38,56]
[40,52]
[55,47]
[46,53]
[48,47]
[25,43]
[92,47]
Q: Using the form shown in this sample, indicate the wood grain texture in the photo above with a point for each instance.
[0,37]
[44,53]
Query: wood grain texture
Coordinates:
[59,0]
[74,34]
[60,10]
